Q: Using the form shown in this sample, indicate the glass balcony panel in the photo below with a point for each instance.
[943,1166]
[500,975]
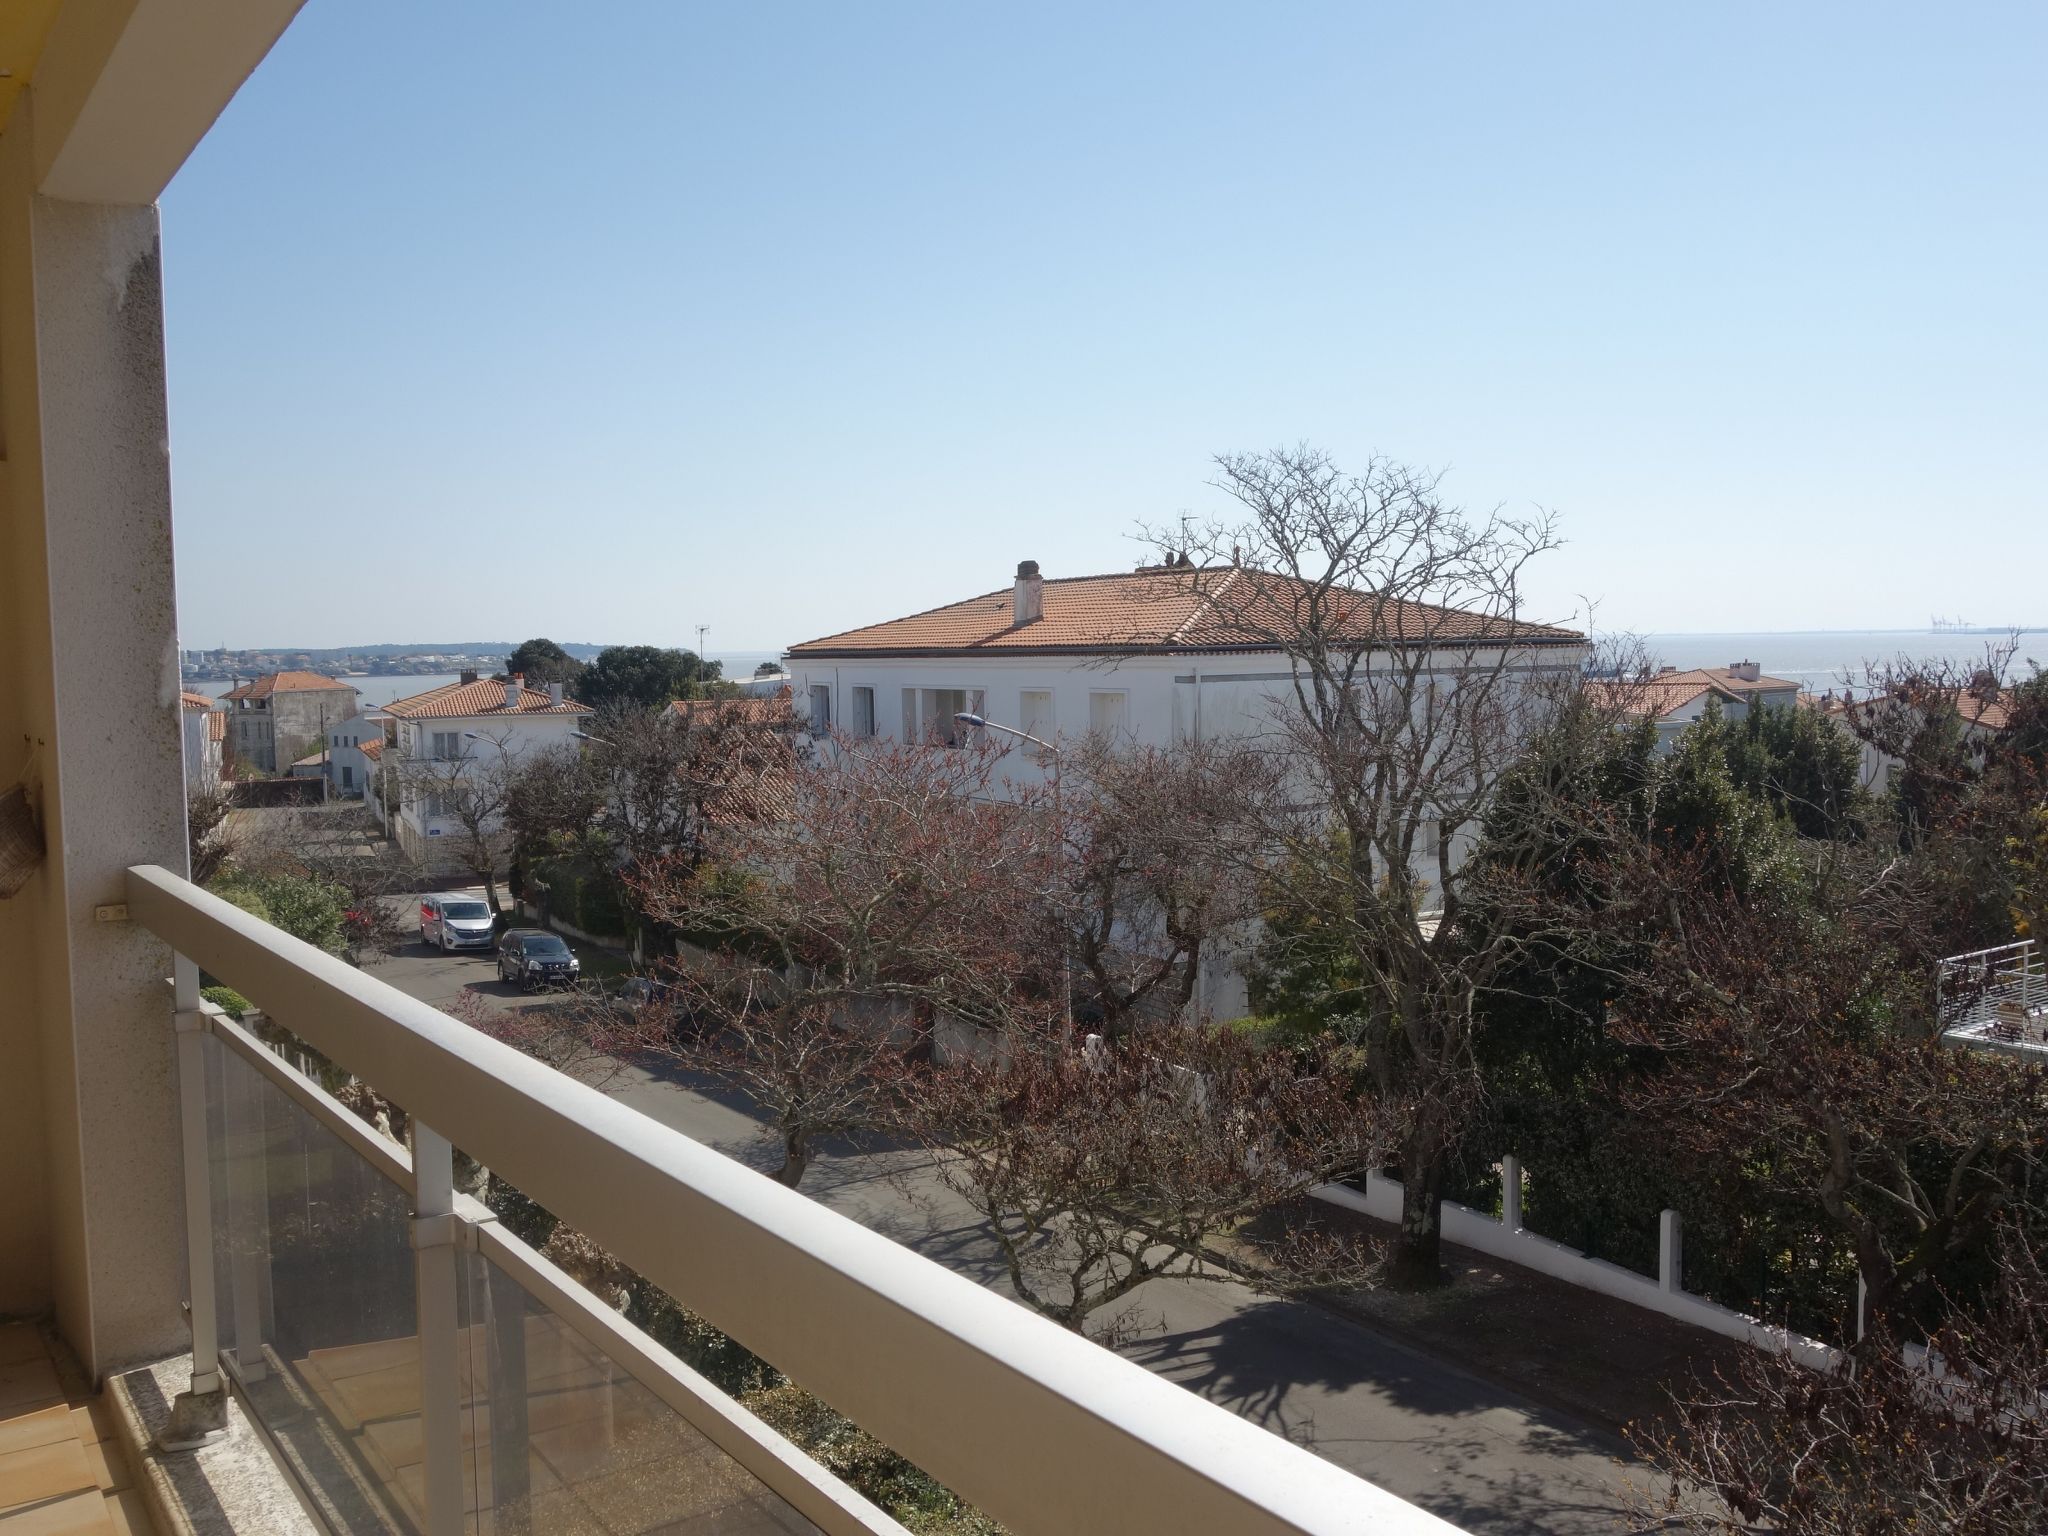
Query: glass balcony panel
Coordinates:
[314,1267]
[569,1442]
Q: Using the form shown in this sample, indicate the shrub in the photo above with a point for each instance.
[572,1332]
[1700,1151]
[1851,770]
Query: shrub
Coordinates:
[227,1000]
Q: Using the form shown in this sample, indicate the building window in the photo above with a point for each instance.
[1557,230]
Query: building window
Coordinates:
[863,722]
[1106,713]
[1034,713]
[928,715]
[447,744]
[821,709]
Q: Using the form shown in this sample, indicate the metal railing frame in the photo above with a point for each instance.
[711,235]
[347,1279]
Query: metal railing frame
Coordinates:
[447,1223]
[1041,1429]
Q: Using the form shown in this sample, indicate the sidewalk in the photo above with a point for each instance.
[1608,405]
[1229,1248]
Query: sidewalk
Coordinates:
[1596,1358]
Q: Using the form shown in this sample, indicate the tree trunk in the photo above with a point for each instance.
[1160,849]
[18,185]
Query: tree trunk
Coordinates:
[1418,1248]
[491,894]
[796,1157]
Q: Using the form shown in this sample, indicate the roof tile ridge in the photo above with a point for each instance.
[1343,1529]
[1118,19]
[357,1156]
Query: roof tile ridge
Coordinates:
[431,693]
[1206,602]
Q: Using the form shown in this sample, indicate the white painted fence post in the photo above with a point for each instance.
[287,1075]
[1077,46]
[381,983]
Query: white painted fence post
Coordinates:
[1511,1193]
[1671,1252]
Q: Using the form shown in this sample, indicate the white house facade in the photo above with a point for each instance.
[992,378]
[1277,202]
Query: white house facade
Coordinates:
[1675,699]
[355,748]
[205,726]
[1150,656]
[1137,655]
[470,727]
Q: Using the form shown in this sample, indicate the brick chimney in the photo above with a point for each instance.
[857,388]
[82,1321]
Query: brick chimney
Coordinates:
[467,676]
[1748,671]
[1027,604]
[515,687]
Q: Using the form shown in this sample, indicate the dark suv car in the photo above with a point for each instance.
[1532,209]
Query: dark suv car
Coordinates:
[529,958]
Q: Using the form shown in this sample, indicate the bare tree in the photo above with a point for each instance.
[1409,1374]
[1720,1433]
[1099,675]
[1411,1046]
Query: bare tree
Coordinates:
[825,938]
[1100,1170]
[1895,1446]
[1160,865]
[803,1059]
[647,788]
[339,845]
[209,833]
[472,791]
[1792,1024]
[1413,686]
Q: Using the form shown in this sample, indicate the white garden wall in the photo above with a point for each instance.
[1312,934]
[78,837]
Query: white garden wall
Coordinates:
[1506,1238]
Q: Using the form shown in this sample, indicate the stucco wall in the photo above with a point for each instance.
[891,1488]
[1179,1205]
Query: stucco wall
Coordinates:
[91,661]
[27,717]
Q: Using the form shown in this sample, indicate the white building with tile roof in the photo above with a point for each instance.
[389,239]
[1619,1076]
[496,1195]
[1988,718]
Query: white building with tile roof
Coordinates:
[475,726]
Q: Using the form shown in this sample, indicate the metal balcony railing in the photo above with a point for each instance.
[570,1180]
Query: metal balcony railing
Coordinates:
[1997,998]
[418,1369]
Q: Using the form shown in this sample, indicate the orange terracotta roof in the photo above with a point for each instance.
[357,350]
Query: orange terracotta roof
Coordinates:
[486,696]
[1729,682]
[285,682]
[191,700]
[769,709]
[372,748]
[1992,711]
[760,781]
[217,725]
[1655,697]
[1171,610]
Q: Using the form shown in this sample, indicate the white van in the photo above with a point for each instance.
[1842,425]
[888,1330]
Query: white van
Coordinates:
[455,921]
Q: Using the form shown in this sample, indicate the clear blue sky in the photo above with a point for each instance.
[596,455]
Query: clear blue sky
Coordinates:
[604,321]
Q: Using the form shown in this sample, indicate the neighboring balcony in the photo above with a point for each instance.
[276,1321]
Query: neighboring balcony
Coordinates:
[417,1369]
[1996,999]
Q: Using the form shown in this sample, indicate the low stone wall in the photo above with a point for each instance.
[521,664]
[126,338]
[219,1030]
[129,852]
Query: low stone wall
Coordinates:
[955,1039]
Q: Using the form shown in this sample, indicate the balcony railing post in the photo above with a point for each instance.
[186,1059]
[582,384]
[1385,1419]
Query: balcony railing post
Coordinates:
[200,1414]
[248,1224]
[436,1233]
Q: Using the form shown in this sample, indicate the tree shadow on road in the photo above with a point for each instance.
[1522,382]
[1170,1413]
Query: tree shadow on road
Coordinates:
[1271,1360]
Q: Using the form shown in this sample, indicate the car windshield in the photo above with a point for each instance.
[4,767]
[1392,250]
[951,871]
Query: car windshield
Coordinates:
[464,909]
[550,947]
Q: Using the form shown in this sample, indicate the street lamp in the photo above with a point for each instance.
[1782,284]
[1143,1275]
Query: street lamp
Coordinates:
[977,722]
[586,736]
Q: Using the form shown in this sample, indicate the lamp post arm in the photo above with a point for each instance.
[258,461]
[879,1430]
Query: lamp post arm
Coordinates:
[1008,730]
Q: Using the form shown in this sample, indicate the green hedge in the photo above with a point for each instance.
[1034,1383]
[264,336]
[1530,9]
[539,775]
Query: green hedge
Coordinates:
[585,898]
[227,1000]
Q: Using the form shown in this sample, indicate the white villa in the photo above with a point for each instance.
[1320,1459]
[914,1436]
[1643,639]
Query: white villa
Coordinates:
[355,751]
[461,728]
[1675,699]
[1155,654]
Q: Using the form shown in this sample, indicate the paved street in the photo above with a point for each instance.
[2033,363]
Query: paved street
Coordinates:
[1469,1450]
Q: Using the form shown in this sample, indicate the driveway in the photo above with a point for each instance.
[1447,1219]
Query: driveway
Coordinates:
[1479,1455]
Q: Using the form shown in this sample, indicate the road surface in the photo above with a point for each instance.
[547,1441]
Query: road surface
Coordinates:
[1473,1452]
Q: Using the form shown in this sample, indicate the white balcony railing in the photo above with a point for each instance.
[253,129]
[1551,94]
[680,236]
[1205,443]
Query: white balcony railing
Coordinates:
[1996,999]
[423,1370]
